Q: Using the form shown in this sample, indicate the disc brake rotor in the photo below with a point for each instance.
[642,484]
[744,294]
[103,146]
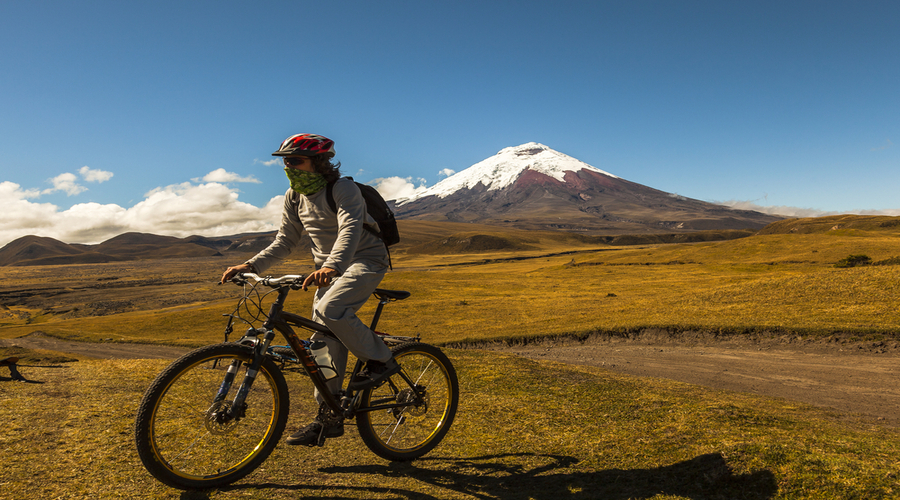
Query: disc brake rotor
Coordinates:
[219,419]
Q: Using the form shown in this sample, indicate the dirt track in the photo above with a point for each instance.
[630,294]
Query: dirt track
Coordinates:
[104,350]
[851,377]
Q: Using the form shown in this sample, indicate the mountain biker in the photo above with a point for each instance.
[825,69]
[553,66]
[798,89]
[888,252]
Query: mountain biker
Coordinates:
[350,264]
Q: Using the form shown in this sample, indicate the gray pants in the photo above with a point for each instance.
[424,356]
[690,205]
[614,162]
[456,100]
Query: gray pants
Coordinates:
[335,306]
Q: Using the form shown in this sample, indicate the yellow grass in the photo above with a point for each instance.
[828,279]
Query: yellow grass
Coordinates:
[524,430]
[771,283]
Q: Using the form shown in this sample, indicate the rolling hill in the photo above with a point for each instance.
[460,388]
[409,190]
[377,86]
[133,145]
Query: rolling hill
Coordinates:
[37,250]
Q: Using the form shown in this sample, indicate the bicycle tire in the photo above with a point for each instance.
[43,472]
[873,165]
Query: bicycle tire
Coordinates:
[407,433]
[177,436]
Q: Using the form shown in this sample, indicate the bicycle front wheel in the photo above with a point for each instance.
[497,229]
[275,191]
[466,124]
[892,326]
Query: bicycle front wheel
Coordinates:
[413,419]
[186,432]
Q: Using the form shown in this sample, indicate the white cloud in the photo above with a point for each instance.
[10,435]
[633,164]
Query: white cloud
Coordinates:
[65,182]
[209,209]
[447,172]
[21,215]
[396,188]
[92,175]
[221,175]
[269,163]
[68,182]
[11,190]
[787,211]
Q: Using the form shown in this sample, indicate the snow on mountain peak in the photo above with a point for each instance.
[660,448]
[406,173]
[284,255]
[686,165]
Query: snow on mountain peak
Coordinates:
[505,167]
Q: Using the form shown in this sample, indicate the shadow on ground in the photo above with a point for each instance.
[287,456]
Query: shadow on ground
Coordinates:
[16,376]
[550,477]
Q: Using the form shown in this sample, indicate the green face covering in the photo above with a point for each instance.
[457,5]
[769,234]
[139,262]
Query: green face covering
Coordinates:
[304,182]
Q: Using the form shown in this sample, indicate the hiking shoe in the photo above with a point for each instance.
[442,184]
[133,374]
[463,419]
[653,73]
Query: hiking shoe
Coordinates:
[374,373]
[325,424]
[309,435]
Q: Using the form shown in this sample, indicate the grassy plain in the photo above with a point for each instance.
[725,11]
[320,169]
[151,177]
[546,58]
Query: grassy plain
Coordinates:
[562,286]
[525,429]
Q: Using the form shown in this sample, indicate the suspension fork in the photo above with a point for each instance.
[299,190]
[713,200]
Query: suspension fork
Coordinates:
[259,352]
[237,406]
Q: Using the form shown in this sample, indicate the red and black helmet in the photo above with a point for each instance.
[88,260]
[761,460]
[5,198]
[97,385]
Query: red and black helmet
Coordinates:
[306,145]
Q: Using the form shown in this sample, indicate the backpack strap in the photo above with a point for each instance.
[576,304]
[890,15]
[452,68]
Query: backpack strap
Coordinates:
[329,196]
[295,200]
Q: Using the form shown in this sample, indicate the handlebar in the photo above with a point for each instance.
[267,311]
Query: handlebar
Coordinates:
[287,279]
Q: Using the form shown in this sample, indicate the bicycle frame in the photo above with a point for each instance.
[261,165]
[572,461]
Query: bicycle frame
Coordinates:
[282,321]
[186,447]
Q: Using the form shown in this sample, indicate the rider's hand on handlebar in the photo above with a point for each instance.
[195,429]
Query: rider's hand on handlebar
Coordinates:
[320,277]
[231,271]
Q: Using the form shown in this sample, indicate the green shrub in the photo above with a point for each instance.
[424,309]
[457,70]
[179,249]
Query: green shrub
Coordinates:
[853,261]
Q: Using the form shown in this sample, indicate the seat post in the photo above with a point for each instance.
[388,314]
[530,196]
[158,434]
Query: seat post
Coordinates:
[377,315]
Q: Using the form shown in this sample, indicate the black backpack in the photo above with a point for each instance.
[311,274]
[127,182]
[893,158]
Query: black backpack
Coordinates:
[376,207]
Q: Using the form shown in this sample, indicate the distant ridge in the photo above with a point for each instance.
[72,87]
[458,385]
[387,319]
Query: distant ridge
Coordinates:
[39,251]
[418,237]
[833,223]
[532,186]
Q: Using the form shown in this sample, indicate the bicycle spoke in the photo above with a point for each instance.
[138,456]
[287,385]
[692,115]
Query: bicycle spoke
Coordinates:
[189,447]
[394,429]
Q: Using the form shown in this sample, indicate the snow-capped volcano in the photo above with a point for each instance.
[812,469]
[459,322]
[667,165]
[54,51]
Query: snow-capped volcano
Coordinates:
[502,170]
[534,187]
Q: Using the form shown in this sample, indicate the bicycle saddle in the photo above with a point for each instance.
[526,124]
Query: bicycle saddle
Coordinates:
[381,294]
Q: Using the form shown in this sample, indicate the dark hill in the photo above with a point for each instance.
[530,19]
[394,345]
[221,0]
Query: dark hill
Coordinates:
[470,243]
[217,244]
[847,222]
[36,250]
[39,250]
[253,243]
[139,246]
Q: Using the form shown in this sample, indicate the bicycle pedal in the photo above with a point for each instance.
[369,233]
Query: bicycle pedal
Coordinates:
[320,441]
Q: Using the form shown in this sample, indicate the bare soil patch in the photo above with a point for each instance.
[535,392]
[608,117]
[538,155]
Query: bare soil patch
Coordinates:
[99,350]
[853,377]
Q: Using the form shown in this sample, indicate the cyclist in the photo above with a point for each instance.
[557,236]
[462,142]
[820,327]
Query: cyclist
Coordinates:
[350,264]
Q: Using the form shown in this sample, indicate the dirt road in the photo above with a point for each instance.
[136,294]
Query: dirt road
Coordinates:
[102,350]
[848,376]
[852,377]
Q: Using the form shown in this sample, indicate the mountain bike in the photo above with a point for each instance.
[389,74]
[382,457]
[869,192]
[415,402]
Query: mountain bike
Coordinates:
[215,414]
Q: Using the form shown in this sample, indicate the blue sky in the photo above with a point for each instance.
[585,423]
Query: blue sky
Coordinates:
[160,116]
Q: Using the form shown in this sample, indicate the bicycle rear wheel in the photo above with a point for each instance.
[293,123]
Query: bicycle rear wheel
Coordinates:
[187,437]
[412,430]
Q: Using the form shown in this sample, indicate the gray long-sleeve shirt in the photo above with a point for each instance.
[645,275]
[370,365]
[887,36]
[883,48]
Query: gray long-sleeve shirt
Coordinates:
[337,239]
